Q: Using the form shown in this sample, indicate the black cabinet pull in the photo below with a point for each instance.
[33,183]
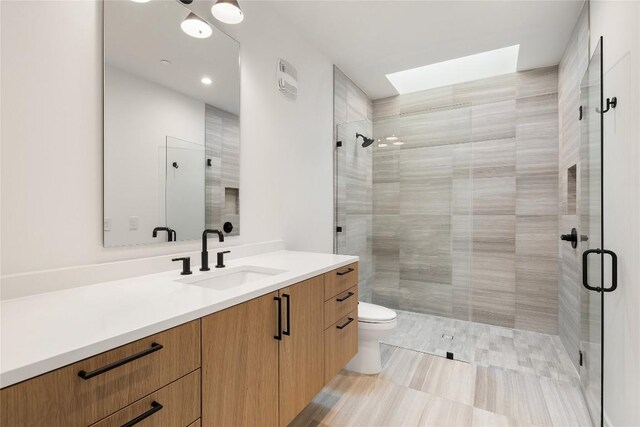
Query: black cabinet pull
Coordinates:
[279,335]
[344,325]
[288,331]
[346,297]
[347,271]
[86,375]
[155,407]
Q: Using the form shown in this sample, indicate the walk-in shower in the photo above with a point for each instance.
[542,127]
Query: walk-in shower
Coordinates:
[456,228]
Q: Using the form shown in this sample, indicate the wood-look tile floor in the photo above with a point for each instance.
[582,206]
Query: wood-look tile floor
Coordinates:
[419,389]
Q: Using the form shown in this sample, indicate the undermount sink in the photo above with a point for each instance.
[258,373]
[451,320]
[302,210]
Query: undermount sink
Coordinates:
[231,277]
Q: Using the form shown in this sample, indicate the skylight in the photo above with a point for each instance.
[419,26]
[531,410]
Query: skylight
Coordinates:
[459,70]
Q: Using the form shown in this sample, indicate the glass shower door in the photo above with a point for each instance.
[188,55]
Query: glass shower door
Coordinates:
[592,237]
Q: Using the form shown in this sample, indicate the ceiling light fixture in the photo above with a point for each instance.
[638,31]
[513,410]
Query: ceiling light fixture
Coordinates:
[227,11]
[141,1]
[194,26]
[382,145]
[392,138]
[398,143]
[206,80]
[459,70]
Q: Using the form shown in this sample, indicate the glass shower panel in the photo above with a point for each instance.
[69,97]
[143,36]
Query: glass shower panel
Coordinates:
[353,204]
[422,227]
[591,233]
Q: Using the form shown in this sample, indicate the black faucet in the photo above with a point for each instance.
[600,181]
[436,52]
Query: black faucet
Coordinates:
[186,265]
[220,263]
[204,265]
[171,233]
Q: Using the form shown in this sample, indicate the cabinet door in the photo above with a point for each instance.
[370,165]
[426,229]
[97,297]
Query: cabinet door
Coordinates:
[302,346]
[240,365]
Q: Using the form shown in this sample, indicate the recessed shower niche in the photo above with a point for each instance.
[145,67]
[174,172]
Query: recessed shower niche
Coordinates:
[571,190]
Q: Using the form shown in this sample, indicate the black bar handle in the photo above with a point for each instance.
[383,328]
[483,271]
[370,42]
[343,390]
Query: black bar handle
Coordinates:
[344,325]
[86,375]
[614,270]
[279,335]
[288,331]
[349,295]
[585,269]
[155,407]
[342,273]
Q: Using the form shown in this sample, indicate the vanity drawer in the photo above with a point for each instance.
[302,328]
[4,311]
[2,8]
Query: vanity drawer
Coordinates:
[340,344]
[176,405]
[340,305]
[114,379]
[340,279]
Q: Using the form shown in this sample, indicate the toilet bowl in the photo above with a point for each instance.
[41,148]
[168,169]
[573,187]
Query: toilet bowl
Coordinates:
[374,323]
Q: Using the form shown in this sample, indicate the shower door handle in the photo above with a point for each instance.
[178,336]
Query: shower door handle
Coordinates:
[614,270]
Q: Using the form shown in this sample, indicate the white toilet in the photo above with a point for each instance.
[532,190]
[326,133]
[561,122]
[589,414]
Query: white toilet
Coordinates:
[374,323]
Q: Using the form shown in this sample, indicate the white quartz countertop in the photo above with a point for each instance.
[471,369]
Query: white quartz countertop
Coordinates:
[40,333]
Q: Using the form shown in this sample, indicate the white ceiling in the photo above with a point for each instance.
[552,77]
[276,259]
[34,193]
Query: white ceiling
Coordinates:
[369,39]
[139,35]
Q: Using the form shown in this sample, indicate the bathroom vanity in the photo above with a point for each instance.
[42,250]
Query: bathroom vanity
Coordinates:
[252,353]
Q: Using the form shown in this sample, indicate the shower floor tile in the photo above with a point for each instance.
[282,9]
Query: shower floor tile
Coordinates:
[527,352]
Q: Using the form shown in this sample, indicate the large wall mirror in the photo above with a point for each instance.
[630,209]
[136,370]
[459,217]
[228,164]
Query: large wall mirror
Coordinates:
[171,125]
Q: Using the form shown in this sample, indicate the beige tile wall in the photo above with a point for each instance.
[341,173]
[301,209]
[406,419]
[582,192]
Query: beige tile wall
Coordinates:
[465,213]
[570,72]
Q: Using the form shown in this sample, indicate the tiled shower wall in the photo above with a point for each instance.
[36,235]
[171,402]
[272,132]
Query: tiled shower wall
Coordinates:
[352,178]
[571,70]
[222,178]
[465,213]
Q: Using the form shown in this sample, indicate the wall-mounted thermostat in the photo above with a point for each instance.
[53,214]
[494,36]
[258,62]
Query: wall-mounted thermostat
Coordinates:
[287,79]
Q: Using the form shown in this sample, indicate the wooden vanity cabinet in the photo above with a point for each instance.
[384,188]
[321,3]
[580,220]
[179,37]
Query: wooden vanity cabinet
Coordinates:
[340,319]
[240,364]
[258,363]
[85,392]
[260,368]
[302,346]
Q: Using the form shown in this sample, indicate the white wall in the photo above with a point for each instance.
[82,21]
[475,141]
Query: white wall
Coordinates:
[52,138]
[139,116]
[619,23]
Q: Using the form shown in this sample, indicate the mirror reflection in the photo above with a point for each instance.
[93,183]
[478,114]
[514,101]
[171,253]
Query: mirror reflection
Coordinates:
[171,125]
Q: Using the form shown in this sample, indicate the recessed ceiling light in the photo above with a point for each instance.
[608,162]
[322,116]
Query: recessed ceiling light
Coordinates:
[141,1]
[398,143]
[227,11]
[382,145]
[392,138]
[206,80]
[196,27]
[165,62]
[459,70]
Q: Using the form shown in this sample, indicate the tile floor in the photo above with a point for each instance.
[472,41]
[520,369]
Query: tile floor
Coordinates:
[523,351]
[514,378]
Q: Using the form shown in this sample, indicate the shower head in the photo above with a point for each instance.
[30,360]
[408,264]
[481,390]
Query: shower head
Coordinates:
[365,141]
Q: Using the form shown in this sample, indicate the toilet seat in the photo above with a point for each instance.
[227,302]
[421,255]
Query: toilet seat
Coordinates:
[371,313]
